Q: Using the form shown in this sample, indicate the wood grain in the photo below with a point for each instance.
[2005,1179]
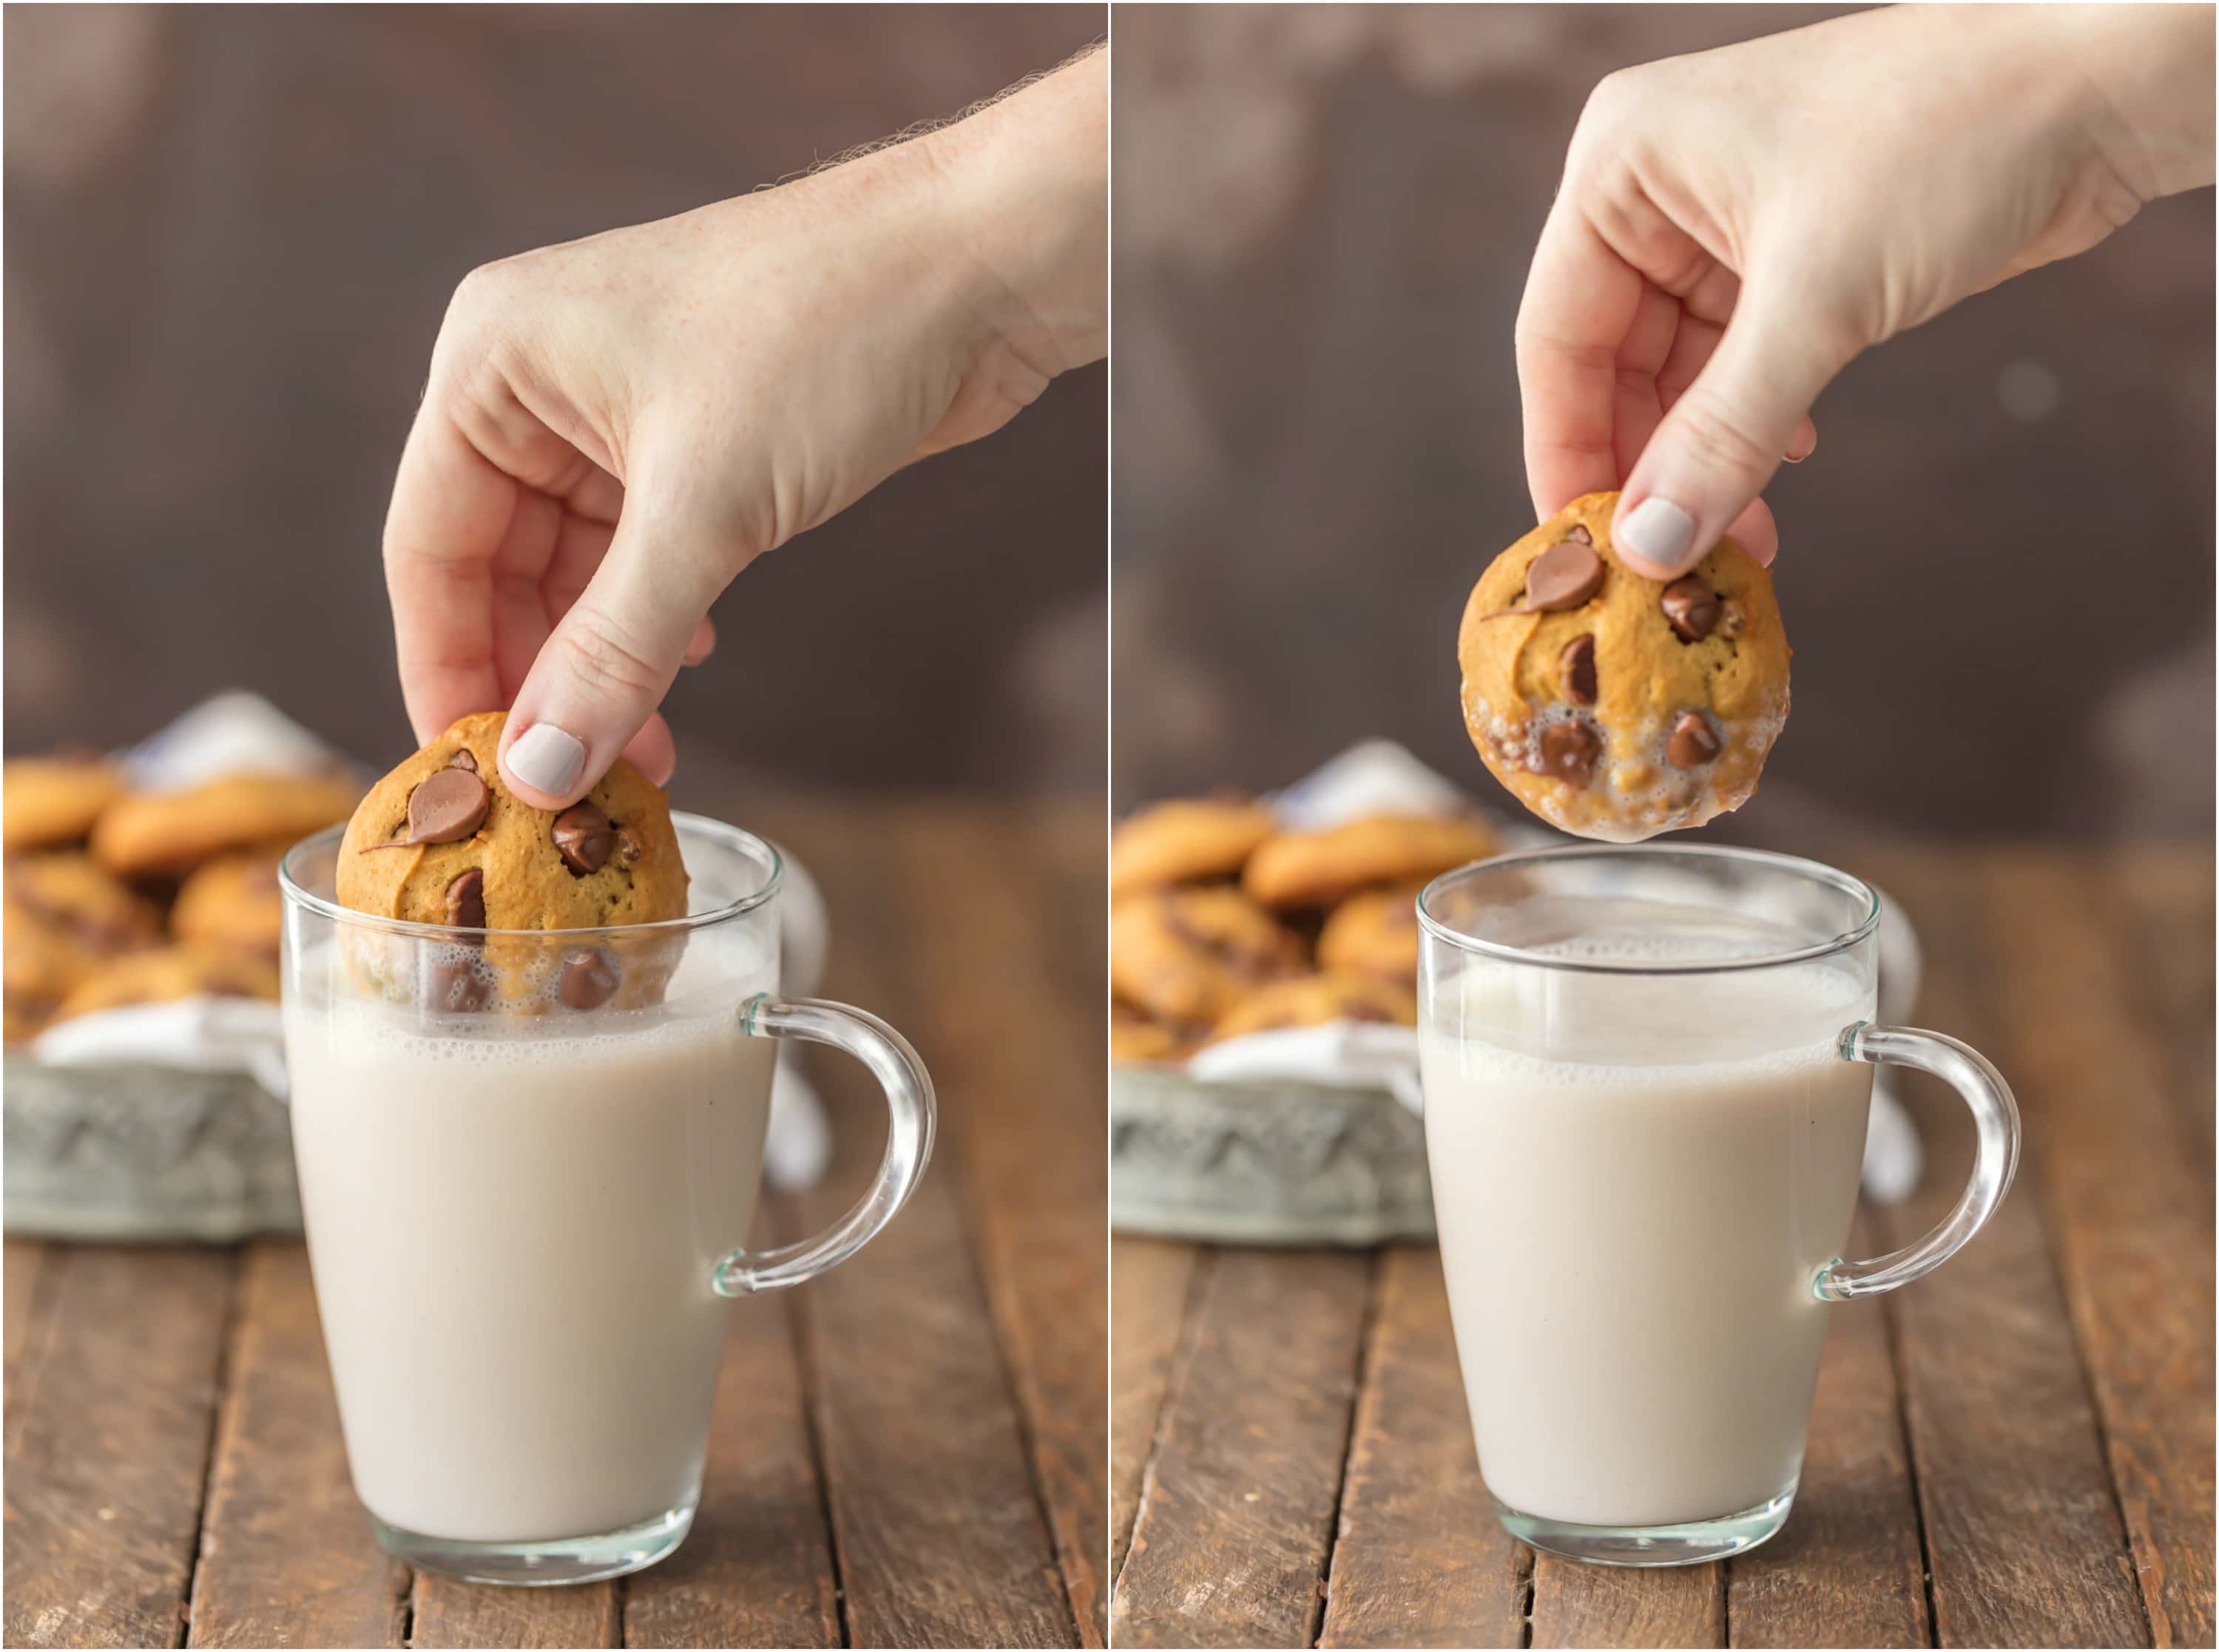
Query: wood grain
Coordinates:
[939,1526]
[105,1474]
[1017,1009]
[757,1568]
[2127,1187]
[2167,904]
[287,1556]
[452,1613]
[1419,1558]
[1575,1604]
[33,1269]
[1150,1283]
[2024,1541]
[1848,1569]
[1237,1504]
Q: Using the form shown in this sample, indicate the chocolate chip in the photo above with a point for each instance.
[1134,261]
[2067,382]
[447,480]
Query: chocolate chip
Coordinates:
[445,808]
[589,979]
[583,835]
[627,847]
[1563,576]
[1569,751]
[1691,743]
[464,761]
[466,900]
[1733,618]
[1579,532]
[1692,606]
[1577,666]
[457,986]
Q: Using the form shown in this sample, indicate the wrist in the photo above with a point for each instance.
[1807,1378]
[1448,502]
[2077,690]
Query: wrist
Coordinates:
[2140,78]
[1021,194]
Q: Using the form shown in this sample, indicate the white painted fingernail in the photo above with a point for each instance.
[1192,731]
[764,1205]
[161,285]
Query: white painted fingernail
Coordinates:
[546,758]
[1656,530]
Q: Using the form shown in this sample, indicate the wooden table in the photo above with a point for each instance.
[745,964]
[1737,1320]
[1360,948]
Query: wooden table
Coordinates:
[2014,1451]
[906,1452]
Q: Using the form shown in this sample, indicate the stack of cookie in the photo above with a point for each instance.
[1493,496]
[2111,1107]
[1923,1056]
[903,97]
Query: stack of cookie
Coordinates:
[1222,924]
[110,896]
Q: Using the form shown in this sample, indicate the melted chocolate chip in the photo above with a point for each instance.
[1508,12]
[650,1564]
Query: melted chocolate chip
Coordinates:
[457,986]
[1563,576]
[1577,666]
[466,900]
[1692,606]
[447,808]
[627,850]
[462,760]
[1733,618]
[583,835]
[1692,744]
[589,978]
[1568,753]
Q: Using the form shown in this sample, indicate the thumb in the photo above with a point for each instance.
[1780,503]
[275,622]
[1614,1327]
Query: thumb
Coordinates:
[600,675]
[1713,453]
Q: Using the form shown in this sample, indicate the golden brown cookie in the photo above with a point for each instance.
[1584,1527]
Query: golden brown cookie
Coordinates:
[1135,1035]
[1296,869]
[1616,706]
[1188,954]
[234,901]
[81,900]
[1374,933]
[1184,842]
[167,972]
[1313,1000]
[38,967]
[46,801]
[169,832]
[440,840]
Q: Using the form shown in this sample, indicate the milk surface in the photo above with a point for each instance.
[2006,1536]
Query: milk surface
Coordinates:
[1636,1179]
[513,1233]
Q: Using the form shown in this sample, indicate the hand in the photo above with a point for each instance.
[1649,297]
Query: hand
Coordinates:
[1734,227]
[614,428]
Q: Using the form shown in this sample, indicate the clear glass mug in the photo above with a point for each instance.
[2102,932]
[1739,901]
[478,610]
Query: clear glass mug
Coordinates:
[528,1164]
[1647,1074]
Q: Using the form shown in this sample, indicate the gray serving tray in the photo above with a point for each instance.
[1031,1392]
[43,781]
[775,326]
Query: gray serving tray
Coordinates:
[1258,1162]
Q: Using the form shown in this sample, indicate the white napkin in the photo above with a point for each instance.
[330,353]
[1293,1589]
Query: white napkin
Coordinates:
[1379,775]
[241,730]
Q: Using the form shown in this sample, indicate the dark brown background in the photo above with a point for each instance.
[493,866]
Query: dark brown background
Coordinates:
[1996,570]
[231,235]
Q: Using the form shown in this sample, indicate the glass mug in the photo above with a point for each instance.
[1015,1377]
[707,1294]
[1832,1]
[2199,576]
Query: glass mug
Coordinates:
[1647,1073]
[527,1161]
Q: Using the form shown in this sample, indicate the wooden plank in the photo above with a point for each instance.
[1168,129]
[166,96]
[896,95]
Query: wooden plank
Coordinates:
[286,1555]
[1237,1504]
[2165,900]
[34,1270]
[451,1613]
[2126,1186]
[105,1473]
[1848,1569]
[1151,1281]
[935,1516]
[1419,1558]
[756,1569]
[1577,1605]
[1017,1012]
[2024,1543]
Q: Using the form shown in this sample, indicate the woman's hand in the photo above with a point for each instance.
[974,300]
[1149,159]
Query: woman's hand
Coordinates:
[1734,227]
[614,428]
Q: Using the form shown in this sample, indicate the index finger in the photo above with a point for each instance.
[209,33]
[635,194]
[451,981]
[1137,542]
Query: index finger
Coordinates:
[1580,303]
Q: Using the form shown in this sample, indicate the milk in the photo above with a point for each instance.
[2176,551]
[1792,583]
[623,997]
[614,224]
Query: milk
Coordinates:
[1636,1179]
[512,1230]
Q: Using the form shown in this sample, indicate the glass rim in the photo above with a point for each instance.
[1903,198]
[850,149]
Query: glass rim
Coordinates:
[732,836]
[1814,872]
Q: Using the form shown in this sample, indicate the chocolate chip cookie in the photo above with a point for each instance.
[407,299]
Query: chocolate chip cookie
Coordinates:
[1135,1035]
[1309,869]
[234,901]
[48,801]
[168,972]
[1616,706]
[1189,840]
[441,840]
[65,918]
[1374,933]
[165,833]
[1188,954]
[1313,1000]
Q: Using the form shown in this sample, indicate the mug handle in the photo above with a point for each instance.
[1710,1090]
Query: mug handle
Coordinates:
[1995,1158]
[908,1089]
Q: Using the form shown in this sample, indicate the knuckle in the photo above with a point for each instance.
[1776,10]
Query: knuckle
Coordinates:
[1719,438]
[605,661]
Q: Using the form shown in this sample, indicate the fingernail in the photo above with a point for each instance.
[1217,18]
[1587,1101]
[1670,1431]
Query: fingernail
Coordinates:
[546,758]
[1656,530]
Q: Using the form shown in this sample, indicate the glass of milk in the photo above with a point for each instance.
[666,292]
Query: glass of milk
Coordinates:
[1647,1072]
[527,1163]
